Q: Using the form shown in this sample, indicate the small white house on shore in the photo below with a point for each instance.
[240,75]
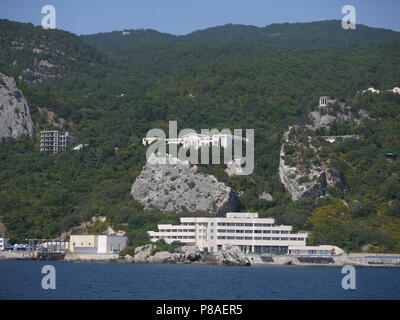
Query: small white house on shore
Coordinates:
[97,244]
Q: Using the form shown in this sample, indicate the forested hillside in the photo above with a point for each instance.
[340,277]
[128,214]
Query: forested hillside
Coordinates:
[225,77]
[288,35]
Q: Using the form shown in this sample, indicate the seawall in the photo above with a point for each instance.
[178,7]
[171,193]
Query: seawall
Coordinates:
[356,259]
[91,257]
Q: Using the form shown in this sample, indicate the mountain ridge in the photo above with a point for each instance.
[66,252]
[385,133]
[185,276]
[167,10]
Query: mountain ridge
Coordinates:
[305,34]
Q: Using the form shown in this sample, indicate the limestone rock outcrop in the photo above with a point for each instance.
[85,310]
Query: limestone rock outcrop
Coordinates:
[143,253]
[265,196]
[233,256]
[234,168]
[15,118]
[180,186]
[183,254]
[338,112]
[299,185]
[164,257]
[229,255]
[302,170]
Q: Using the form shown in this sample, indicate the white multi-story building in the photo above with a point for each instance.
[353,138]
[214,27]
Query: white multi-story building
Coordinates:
[244,229]
[96,244]
[55,141]
[4,243]
[197,141]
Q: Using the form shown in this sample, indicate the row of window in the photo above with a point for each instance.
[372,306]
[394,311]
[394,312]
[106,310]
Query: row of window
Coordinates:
[229,224]
[259,238]
[230,238]
[177,230]
[227,231]
[238,224]
[175,237]
[327,252]
[251,231]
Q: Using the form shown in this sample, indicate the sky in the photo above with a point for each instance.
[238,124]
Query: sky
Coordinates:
[184,16]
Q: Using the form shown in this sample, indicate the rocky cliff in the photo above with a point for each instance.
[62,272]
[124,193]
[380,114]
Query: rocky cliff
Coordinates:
[302,169]
[337,112]
[15,118]
[229,255]
[300,183]
[180,186]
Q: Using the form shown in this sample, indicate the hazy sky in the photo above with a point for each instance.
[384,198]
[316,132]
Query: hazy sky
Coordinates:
[184,16]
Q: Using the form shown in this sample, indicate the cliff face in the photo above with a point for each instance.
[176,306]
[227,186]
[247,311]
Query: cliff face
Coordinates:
[302,169]
[15,118]
[180,186]
[229,255]
[337,112]
[301,184]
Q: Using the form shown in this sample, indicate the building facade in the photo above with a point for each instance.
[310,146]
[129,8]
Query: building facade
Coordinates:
[94,244]
[197,141]
[246,230]
[324,101]
[323,250]
[55,141]
[4,243]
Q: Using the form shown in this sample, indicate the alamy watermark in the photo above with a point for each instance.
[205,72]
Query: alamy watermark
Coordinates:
[349,281]
[49,280]
[49,20]
[349,20]
[191,142]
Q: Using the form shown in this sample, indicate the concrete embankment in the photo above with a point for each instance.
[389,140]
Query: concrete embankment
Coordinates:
[86,257]
[356,259]
[228,257]
[24,255]
[14,255]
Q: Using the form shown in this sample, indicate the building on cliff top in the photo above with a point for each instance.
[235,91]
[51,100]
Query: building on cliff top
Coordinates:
[324,101]
[243,229]
[55,141]
[197,141]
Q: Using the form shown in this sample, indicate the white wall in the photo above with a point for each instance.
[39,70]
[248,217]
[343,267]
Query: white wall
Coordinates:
[106,244]
[102,244]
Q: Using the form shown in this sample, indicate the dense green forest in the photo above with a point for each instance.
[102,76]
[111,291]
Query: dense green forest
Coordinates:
[225,77]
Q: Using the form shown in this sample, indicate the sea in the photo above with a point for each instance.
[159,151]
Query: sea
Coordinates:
[130,281]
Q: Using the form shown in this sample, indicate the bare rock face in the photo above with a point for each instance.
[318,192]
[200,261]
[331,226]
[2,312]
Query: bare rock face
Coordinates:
[229,255]
[233,256]
[180,186]
[189,254]
[15,118]
[265,196]
[298,185]
[334,178]
[142,253]
[234,168]
[164,257]
[301,169]
[184,254]
[320,120]
[339,112]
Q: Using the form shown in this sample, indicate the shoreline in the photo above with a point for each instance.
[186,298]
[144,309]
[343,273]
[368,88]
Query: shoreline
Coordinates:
[357,260]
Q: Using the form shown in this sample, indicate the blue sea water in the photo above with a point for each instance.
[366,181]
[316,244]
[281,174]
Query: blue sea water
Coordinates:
[22,280]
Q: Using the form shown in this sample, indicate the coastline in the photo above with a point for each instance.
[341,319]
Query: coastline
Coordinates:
[255,260]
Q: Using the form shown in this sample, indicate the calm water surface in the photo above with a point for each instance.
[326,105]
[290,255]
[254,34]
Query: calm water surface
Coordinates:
[22,280]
